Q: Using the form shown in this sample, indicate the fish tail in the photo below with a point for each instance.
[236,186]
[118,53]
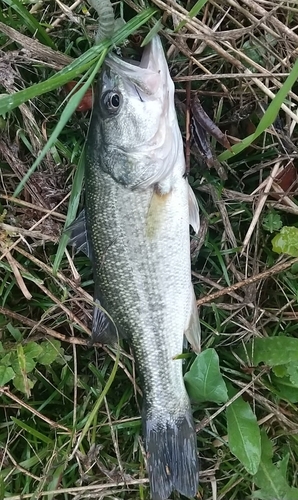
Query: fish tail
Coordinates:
[171,447]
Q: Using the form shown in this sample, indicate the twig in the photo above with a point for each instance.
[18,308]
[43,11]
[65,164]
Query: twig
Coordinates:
[6,391]
[260,205]
[253,279]
[19,279]
[82,489]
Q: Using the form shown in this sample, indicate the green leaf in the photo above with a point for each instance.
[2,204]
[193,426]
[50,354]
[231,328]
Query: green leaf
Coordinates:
[32,24]
[23,384]
[273,351]
[286,390]
[15,332]
[72,210]
[243,433]
[156,28]
[269,478]
[50,350]
[65,115]
[6,360]
[6,374]
[272,221]
[292,371]
[76,68]
[204,381]
[286,241]
[268,118]
[32,349]
[280,370]
[20,363]
[283,465]
[192,13]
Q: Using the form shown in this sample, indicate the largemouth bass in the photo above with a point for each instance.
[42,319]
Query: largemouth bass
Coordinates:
[138,210]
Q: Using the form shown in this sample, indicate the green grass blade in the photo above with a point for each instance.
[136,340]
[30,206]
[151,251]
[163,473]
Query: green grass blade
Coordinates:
[100,400]
[72,210]
[269,116]
[32,24]
[76,68]
[192,13]
[156,28]
[66,114]
[32,431]
[83,63]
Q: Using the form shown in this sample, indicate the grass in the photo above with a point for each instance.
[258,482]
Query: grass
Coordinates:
[70,414]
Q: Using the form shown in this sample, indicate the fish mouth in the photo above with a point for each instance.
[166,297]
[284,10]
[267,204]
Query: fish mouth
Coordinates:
[149,73]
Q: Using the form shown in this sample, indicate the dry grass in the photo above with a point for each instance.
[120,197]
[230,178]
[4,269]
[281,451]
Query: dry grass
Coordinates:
[235,56]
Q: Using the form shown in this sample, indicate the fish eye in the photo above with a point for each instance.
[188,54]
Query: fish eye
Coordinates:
[112,101]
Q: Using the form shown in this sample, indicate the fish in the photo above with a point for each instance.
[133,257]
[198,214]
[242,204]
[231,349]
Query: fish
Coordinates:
[135,229]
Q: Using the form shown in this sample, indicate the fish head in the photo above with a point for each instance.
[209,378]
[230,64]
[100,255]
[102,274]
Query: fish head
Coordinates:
[134,130]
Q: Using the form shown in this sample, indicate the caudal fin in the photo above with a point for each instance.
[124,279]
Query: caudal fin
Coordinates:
[171,447]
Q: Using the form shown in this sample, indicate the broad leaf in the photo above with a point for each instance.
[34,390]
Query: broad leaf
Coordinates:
[244,433]
[6,374]
[22,364]
[273,351]
[270,479]
[204,381]
[50,350]
[286,241]
[32,349]
[23,384]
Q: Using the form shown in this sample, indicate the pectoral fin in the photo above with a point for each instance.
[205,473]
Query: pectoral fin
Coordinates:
[194,214]
[193,330]
[79,236]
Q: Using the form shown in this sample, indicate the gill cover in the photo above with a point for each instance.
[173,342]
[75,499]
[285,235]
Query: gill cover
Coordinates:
[141,143]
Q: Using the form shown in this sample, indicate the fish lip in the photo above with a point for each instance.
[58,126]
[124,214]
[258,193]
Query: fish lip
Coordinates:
[149,57]
[149,73]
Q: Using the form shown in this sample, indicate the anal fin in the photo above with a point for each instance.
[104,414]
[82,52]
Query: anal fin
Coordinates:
[193,329]
[79,235]
[193,207]
[104,330]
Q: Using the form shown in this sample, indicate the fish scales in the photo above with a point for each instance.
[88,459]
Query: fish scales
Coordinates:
[138,210]
[136,277]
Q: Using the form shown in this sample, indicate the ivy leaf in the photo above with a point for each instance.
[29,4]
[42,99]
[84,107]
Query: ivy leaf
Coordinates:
[204,381]
[243,433]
